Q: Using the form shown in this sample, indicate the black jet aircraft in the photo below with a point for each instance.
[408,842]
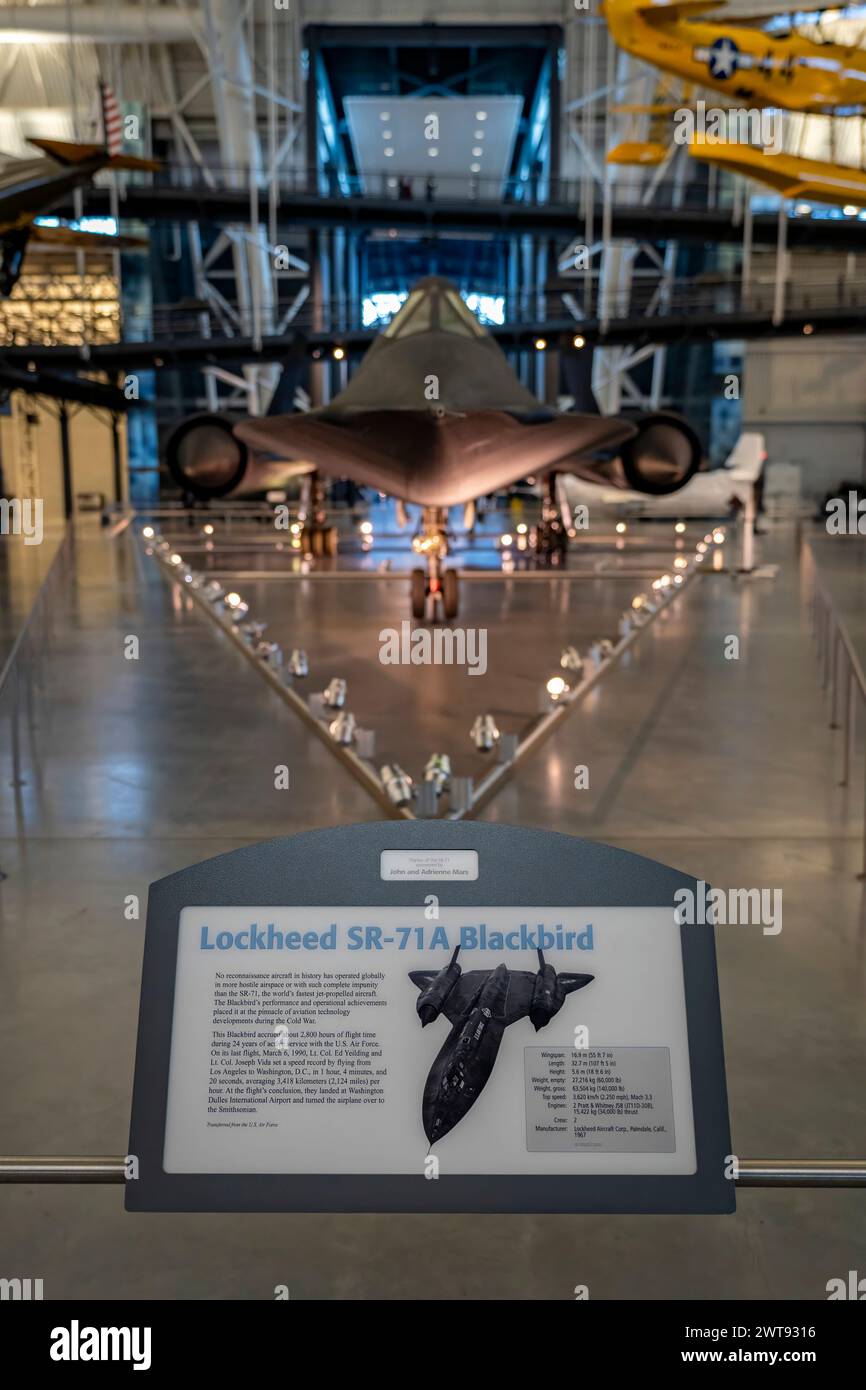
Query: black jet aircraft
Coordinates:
[479,1006]
[29,188]
[434,415]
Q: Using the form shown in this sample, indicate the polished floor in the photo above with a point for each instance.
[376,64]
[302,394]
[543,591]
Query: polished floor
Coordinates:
[129,770]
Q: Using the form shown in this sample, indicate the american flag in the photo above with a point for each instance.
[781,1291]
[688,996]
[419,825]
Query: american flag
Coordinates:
[112,129]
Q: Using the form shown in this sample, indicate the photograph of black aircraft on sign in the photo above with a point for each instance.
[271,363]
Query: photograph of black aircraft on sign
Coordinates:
[435,416]
[479,1005]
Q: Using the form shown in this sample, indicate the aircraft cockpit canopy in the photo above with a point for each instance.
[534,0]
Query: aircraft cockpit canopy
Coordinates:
[434,306]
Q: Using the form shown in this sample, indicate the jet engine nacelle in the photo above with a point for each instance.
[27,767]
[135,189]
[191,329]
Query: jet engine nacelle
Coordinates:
[548,997]
[205,457]
[430,1001]
[663,455]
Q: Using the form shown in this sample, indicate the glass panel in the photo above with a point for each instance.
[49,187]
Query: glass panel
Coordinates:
[419,321]
[454,317]
[402,315]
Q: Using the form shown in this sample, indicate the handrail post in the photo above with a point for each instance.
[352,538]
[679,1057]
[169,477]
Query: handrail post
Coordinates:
[835,686]
[847,727]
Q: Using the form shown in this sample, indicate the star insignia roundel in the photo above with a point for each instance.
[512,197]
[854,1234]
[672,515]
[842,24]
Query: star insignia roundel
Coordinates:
[722,60]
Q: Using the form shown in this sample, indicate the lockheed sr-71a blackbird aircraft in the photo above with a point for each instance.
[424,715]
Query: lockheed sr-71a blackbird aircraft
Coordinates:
[434,415]
[479,1006]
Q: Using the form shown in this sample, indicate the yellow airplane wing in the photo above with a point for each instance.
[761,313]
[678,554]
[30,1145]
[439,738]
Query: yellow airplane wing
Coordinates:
[678,9]
[643,152]
[788,174]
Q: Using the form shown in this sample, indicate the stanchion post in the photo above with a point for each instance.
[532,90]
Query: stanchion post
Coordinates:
[834,724]
[847,725]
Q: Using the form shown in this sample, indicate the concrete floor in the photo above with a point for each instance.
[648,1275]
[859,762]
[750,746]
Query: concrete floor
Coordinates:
[131,770]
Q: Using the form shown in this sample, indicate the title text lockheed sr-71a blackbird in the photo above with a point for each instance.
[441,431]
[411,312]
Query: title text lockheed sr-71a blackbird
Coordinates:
[479,1006]
[434,415]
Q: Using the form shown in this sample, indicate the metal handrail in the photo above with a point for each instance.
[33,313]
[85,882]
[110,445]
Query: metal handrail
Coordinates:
[833,640]
[47,578]
[749,1172]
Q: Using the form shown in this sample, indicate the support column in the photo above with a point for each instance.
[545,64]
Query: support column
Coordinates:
[117,458]
[781,265]
[66,460]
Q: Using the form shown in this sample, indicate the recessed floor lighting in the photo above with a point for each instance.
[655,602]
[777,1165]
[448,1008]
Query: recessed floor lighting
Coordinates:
[479,135]
[477,151]
[475,168]
[481,115]
[388,152]
[384,115]
[387,135]
[432,152]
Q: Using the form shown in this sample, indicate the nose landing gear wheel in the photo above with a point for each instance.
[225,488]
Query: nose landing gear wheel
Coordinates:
[450,593]
[419,593]
[321,540]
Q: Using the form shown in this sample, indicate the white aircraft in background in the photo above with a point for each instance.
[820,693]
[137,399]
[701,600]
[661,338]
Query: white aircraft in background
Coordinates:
[709,494]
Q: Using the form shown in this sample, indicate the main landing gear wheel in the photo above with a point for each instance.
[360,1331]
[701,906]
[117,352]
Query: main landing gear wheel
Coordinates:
[321,540]
[450,593]
[419,593]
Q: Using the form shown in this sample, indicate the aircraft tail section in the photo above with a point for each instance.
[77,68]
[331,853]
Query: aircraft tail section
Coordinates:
[71,152]
[747,457]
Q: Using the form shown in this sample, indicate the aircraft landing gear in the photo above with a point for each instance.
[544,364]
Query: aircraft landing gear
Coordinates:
[438,588]
[551,536]
[318,538]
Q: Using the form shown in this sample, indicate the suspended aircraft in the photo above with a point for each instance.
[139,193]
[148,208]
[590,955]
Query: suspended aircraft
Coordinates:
[434,415]
[788,70]
[30,188]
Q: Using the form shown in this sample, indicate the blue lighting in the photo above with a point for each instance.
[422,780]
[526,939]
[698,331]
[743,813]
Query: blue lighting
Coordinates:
[101,226]
[378,309]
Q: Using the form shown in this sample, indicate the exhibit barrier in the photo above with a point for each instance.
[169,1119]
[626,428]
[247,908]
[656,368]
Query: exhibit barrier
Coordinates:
[21,673]
[751,1172]
[839,665]
[512,751]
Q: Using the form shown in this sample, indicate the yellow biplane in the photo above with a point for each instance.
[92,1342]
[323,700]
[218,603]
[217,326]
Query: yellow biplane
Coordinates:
[750,65]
